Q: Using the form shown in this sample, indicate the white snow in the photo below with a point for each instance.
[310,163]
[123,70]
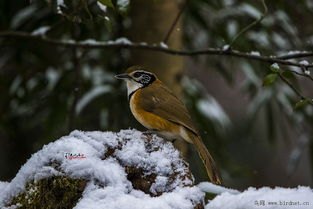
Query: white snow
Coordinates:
[108,186]
[215,189]
[265,198]
[307,72]
[304,62]
[163,45]
[255,53]
[226,47]
[89,42]
[121,40]
[275,66]
[59,4]
[41,31]
[3,185]
[102,6]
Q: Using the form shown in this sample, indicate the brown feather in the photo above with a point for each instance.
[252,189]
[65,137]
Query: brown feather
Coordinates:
[162,102]
[207,159]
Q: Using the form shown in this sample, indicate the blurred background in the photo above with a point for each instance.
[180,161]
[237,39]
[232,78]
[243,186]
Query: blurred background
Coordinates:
[254,131]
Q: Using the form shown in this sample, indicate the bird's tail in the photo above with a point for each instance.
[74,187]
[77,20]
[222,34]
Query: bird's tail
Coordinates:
[207,159]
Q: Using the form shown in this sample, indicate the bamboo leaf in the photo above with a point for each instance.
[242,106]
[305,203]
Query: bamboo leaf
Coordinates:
[270,79]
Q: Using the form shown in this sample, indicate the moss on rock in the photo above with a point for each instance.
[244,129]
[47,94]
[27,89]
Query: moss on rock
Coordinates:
[52,193]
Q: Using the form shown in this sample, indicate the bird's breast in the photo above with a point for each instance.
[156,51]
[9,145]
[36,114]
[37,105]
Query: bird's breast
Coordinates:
[152,121]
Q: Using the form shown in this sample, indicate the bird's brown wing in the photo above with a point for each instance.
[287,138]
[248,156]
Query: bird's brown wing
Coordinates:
[161,101]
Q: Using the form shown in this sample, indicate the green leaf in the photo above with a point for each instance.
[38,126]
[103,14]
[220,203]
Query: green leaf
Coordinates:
[288,75]
[107,3]
[302,103]
[270,79]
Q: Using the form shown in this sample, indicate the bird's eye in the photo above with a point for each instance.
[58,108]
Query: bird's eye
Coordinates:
[137,74]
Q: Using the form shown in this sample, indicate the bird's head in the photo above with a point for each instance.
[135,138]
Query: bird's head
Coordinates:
[136,77]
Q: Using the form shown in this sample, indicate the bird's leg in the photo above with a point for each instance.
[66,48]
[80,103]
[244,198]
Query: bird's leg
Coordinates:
[149,132]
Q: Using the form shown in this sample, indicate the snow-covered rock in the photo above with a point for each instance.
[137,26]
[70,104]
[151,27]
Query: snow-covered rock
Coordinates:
[128,169]
[109,170]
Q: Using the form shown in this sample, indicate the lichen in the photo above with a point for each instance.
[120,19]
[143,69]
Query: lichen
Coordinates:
[51,193]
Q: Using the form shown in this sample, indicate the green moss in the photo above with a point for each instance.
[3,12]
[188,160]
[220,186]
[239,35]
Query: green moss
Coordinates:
[52,193]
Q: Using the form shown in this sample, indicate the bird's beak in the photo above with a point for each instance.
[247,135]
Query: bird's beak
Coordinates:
[122,76]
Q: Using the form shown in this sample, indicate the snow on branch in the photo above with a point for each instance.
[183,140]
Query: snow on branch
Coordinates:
[282,59]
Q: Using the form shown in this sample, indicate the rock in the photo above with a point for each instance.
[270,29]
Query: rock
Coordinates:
[108,170]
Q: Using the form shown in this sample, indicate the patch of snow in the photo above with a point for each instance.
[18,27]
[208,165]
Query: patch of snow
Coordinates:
[60,3]
[89,42]
[304,62]
[275,66]
[102,6]
[3,185]
[121,40]
[226,47]
[307,72]
[208,187]
[267,198]
[41,31]
[163,45]
[117,191]
[255,53]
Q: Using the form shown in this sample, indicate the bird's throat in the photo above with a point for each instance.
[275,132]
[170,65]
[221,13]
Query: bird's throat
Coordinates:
[132,87]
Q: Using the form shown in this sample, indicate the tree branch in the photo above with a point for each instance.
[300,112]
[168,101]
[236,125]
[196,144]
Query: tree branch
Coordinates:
[168,34]
[291,86]
[140,46]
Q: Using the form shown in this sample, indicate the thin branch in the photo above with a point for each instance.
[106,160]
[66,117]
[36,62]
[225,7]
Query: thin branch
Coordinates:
[140,46]
[291,86]
[300,74]
[245,29]
[168,34]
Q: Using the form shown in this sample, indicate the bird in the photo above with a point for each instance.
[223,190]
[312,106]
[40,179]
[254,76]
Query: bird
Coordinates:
[159,110]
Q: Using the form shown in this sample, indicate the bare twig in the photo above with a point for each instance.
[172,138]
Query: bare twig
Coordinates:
[138,46]
[291,86]
[168,34]
[245,29]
